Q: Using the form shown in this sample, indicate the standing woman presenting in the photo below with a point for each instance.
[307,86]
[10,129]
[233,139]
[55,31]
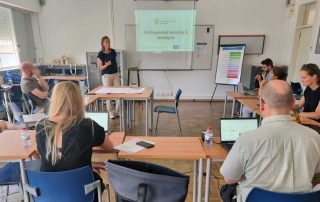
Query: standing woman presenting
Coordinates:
[109,71]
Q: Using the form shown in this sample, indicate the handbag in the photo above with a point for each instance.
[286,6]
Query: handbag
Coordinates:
[228,192]
[135,181]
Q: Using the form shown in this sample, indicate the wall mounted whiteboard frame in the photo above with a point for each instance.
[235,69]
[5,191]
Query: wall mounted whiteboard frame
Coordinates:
[191,60]
[254,43]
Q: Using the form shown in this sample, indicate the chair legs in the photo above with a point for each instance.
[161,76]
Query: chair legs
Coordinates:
[179,123]
[155,131]
[178,119]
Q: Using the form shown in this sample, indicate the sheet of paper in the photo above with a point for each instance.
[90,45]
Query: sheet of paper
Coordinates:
[106,90]
[131,146]
[33,117]
[202,49]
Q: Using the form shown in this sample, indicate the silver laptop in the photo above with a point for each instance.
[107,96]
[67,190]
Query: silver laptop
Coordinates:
[101,118]
[231,128]
[243,91]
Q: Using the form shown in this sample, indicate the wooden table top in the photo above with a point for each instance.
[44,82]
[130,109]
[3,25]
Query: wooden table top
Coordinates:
[116,138]
[11,145]
[145,95]
[215,151]
[188,148]
[65,78]
[237,95]
[252,104]
[91,99]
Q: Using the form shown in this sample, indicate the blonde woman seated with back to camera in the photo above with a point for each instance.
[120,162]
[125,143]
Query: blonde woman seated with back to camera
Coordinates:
[65,139]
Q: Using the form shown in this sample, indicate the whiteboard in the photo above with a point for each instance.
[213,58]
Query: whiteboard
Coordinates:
[201,58]
[230,61]
[254,43]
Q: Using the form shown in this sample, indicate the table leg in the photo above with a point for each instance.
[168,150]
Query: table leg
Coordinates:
[128,114]
[225,106]
[133,110]
[5,94]
[95,105]
[194,189]
[24,180]
[147,112]
[200,180]
[151,113]
[122,116]
[241,108]
[233,103]
[208,175]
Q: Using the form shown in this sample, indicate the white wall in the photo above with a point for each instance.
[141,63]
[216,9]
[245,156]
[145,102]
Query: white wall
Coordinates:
[77,26]
[292,38]
[315,58]
[30,5]
[228,17]
[72,27]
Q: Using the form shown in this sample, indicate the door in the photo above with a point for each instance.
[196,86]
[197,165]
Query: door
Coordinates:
[304,49]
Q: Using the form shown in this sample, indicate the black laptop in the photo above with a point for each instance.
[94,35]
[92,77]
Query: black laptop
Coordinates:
[231,129]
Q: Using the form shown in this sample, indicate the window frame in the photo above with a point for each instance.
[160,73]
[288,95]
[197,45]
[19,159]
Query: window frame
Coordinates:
[15,48]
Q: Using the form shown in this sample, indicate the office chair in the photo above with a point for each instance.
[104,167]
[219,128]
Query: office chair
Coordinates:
[10,174]
[68,186]
[135,181]
[261,195]
[169,110]
[17,113]
[27,104]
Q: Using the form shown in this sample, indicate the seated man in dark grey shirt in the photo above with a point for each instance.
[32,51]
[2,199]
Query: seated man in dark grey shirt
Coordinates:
[33,85]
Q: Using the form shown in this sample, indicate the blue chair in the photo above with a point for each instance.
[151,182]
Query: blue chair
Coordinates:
[261,195]
[68,186]
[10,173]
[169,110]
[17,113]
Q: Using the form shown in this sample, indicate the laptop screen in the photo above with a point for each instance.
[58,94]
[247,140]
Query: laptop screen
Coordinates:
[100,117]
[232,128]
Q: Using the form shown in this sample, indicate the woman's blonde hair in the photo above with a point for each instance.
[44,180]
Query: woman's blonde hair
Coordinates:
[66,102]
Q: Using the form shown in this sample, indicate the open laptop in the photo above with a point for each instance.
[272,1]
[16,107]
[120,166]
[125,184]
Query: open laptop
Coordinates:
[242,90]
[231,129]
[102,118]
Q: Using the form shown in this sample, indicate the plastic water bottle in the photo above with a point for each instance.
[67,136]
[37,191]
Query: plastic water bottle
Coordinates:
[208,136]
[25,138]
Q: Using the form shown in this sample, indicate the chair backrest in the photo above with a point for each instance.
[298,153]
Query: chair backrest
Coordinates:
[61,186]
[10,174]
[261,195]
[27,104]
[177,98]
[17,112]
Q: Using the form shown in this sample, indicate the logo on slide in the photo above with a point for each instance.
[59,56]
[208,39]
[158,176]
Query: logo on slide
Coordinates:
[156,21]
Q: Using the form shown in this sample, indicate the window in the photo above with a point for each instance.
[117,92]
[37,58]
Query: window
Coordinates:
[8,51]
